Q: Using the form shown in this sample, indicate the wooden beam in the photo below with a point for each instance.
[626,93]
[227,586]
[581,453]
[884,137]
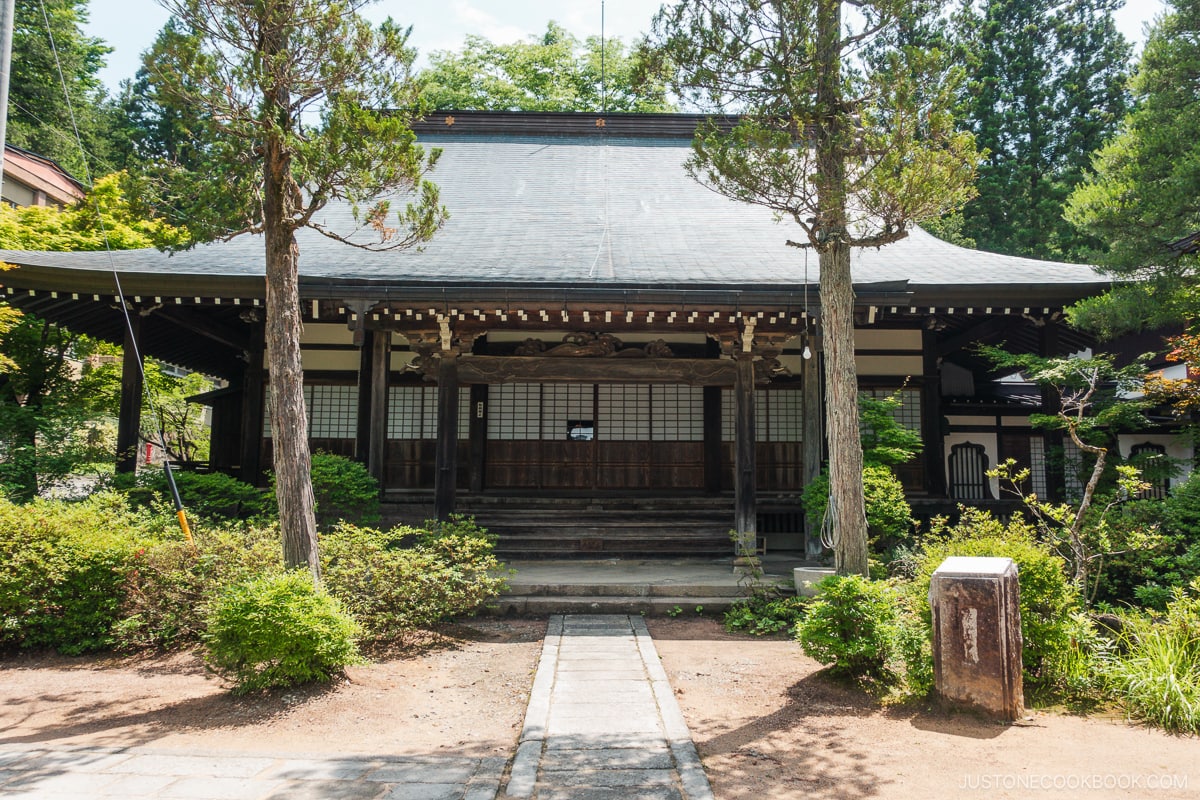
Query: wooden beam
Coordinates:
[362,430]
[813,410]
[535,369]
[712,440]
[446,461]
[381,356]
[252,406]
[129,418]
[478,436]
[931,418]
[201,325]
[745,466]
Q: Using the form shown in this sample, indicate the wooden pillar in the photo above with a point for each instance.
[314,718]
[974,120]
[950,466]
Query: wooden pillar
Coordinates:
[252,407]
[1056,484]
[712,439]
[744,477]
[129,418]
[447,442]
[931,417]
[362,431]
[814,441]
[478,435]
[381,361]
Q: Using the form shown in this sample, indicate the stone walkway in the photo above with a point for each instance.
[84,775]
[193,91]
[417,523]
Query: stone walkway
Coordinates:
[602,719]
[602,723]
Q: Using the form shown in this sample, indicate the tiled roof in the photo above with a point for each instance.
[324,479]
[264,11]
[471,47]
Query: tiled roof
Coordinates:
[599,209]
[38,172]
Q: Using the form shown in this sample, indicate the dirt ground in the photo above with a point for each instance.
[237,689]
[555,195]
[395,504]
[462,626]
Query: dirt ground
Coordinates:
[767,727]
[765,724]
[466,693]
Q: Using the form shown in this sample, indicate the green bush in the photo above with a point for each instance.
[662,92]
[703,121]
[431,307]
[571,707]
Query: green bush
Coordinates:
[1156,675]
[169,582]
[1050,623]
[62,568]
[212,495]
[400,580]
[889,516]
[852,626]
[278,630]
[343,490]
[764,613]
[1150,576]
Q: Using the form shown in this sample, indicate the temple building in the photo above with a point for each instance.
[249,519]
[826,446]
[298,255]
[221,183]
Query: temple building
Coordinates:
[590,346]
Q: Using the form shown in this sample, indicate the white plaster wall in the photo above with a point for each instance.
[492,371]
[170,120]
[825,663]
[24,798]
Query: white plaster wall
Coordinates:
[903,366]
[990,446]
[876,339]
[1177,449]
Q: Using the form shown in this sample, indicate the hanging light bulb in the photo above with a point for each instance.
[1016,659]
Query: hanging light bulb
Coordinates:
[807,354]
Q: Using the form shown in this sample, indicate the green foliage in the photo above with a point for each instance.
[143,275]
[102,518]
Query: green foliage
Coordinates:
[1142,195]
[764,613]
[46,430]
[40,119]
[278,630]
[1156,672]
[1047,88]
[551,72]
[852,627]
[62,566]
[1050,623]
[167,417]
[395,582]
[329,99]
[915,650]
[1147,576]
[104,219]
[889,516]
[343,491]
[170,582]
[884,439]
[212,495]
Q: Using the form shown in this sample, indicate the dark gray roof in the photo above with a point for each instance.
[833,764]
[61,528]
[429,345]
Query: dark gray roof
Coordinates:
[599,210]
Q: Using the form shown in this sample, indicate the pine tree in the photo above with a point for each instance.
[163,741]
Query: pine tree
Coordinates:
[1047,89]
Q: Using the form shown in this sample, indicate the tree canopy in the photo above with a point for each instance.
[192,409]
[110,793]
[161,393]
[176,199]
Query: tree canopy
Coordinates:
[1047,87]
[305,103]
[851,151]
[1144,192]
[39,117]
[550,72]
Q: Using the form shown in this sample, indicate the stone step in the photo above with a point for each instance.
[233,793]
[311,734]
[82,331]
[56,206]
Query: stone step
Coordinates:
[606,604]
[631,591]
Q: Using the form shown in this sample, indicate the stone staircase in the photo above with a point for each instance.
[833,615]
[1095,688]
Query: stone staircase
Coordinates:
[617,586]
[564,527]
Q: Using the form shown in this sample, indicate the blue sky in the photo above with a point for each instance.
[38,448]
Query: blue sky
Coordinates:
[129,26]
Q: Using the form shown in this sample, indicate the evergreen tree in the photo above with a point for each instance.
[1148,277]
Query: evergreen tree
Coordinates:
[306,103]
[851,153]
[1144,194]
[39,117]
[1047,88]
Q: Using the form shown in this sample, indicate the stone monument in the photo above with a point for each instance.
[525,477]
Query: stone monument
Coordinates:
[977,634]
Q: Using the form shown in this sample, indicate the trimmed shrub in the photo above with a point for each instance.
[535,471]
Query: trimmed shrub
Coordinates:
[278,630]
[343,490]
[852,627]
[889,516]
[212,495]
[1051,624]
[394,587]
[62,568]
[169,582]
[1157,678]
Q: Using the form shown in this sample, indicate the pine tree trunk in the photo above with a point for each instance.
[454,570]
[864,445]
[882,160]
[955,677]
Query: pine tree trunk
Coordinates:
[841,412]
[837,302]
[293,468]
